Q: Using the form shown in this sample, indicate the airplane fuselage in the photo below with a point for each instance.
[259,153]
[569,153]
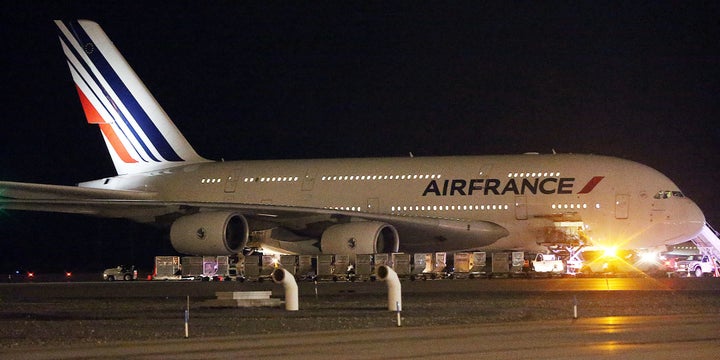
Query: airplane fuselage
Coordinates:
[535,197]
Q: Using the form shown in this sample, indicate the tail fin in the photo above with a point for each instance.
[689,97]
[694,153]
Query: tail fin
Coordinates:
[138,133]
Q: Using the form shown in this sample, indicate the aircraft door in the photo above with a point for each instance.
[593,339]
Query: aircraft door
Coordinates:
[232,180]
[622,205]
[521,208]
[308,181]
[373,205]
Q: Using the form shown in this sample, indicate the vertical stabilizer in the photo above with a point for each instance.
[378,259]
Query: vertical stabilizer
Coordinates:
[138,133]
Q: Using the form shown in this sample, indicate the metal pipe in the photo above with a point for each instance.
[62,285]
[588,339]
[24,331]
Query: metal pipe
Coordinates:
[387,274]
[284,277]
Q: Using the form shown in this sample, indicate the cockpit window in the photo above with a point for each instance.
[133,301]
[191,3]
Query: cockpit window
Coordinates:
[666,194]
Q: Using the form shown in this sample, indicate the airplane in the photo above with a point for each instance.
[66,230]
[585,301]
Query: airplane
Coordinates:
[344,206]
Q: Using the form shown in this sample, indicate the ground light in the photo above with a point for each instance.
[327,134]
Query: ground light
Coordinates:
[649,257]
[610,251]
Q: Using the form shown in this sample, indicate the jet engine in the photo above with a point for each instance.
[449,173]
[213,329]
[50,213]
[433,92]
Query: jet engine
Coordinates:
[210,233]
[362,237]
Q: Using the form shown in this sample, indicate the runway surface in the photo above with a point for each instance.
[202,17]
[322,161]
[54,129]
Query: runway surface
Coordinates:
[653,337]
[499,318]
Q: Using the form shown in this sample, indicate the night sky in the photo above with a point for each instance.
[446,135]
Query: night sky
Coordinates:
[252,80]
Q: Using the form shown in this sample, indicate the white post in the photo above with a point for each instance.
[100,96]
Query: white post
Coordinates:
[187,318]
[284,277]
[575,310]
[399,318]
[387,274]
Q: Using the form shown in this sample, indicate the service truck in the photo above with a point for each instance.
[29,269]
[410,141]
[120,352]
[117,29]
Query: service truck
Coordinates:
[698,265]
[548,263]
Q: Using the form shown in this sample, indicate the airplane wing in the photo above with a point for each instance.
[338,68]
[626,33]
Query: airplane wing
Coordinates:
[416,232]
[18,190]
[66,199]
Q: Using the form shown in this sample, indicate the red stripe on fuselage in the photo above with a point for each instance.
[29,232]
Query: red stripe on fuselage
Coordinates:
[591,185]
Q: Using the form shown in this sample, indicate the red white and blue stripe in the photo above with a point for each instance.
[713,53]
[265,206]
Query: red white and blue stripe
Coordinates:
[138,133]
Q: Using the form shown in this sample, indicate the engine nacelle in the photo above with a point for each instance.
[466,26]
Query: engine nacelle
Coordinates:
[362,237]
[210,233]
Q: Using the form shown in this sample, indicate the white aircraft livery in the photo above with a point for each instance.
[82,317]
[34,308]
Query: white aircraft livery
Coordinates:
[353,206]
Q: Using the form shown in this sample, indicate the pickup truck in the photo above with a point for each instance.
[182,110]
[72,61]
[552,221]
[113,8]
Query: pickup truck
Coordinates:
[548,263]
[698,265]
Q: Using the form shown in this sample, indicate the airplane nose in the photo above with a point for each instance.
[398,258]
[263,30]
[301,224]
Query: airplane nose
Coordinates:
[683,223]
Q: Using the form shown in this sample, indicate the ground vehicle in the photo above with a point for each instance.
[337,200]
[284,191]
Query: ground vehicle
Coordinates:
[121,272]
[205,268]
[167,268]
[595,261]
[697,265]
[548,263]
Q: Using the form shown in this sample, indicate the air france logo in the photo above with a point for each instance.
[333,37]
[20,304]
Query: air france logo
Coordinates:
[526,186]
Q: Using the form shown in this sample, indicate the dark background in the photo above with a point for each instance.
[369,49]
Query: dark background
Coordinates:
[268,80]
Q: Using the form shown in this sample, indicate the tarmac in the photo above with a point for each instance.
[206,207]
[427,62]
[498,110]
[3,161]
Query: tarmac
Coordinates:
[453,319]
[650,337]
